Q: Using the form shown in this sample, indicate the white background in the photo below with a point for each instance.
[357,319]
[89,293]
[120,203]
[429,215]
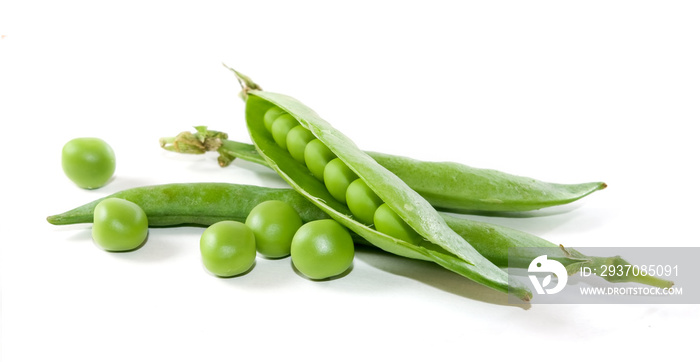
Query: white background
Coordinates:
[555,90]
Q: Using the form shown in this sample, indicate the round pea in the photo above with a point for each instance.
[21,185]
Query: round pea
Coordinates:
[88,162]
[297,139]
[281,127]
[337,176]
[119,225]
[322,249]
[317,155]
[388,222]
[227,248]
[362,201]
[274,224]
[271,115]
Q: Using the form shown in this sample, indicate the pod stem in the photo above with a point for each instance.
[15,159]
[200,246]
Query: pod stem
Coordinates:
[246,83]
[204,140]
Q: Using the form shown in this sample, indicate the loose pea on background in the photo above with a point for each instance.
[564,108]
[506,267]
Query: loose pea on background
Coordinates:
[228,248]
[322,249]
[119,225]
[274,224]
[88,161]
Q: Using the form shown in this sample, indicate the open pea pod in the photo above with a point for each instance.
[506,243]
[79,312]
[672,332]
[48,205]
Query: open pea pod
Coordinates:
[437,243]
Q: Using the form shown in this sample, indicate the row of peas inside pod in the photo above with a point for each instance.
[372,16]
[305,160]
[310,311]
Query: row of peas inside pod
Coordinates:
[342,183]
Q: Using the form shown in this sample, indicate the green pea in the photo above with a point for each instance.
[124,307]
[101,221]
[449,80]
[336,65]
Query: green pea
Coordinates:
[388,222]
[271,115]
[322,249]
[337,176]
[88,162]
[274,224]
[119,225]
[317,155]
[297,139]
[281,127]
[362,201]
[227,248]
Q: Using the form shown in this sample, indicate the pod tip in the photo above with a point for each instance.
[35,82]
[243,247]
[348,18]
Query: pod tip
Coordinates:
[246,83]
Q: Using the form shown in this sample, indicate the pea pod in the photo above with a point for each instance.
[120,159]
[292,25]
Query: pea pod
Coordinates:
[195,203]
[437,243]
[203,204]
[448,186]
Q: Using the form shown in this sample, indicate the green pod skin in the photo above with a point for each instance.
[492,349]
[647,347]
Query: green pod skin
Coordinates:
[455,187]
[195,204]
[203,204]
[448,186]
[440,245]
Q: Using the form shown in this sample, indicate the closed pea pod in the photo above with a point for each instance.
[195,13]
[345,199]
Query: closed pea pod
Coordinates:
[455,187]
[195,204]
[448,186]
[204,204]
